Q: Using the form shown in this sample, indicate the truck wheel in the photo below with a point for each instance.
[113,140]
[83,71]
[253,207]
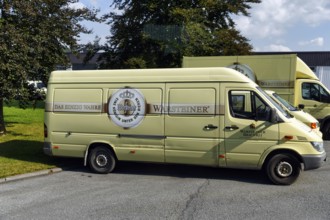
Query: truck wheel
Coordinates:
[283,169]
[326,131]
[101,160]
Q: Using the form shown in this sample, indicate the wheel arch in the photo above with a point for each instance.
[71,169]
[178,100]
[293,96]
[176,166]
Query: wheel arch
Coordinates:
[98,144]
[280,151]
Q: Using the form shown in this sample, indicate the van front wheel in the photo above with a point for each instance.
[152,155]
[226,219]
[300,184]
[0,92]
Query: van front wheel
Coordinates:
[101,160]
[283,169]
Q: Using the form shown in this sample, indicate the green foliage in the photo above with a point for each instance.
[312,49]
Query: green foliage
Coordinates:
[34,35]
[21,147]
[159,33]
[135,62]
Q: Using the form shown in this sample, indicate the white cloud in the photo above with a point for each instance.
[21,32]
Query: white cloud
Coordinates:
[93,2]
[274,17]
[103,5]
[315,13]
[269,18]
[314,42]
[277,47]
[77,5]
[278,23]
[87,4]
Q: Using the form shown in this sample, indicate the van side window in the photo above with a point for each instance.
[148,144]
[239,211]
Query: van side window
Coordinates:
[248,105]
[314,91]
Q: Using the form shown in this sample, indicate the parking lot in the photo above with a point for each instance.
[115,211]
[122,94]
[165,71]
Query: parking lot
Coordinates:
[156,191]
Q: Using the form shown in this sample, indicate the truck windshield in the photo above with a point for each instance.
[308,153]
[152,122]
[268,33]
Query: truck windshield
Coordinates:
[285,113]
[285,103]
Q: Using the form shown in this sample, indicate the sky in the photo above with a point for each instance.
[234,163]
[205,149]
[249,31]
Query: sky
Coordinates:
[273,25]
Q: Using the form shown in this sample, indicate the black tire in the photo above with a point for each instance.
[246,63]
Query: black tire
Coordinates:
[283,169]
[326,131]
[101,160]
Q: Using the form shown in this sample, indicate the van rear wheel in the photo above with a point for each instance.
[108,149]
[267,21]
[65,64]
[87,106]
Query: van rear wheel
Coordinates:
[102,160]
[283,169]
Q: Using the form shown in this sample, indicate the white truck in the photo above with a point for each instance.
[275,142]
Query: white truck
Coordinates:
[287,75]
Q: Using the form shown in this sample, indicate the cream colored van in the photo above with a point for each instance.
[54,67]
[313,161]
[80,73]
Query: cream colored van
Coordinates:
[286,74]
[299,114]
[183,116]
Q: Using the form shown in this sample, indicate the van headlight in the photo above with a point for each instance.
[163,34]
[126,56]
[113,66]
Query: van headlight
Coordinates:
[318,146]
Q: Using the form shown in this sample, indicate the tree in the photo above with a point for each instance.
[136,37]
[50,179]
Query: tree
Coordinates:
[153,33]
[34,35]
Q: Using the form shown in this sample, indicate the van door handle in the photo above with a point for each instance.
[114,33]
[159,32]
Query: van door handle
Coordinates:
[210,127]
[231,128]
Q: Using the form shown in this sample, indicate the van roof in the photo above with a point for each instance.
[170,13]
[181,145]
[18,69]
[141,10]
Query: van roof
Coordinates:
[209,74]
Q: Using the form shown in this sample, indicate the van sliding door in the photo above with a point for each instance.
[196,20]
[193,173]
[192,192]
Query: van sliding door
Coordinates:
[135,121]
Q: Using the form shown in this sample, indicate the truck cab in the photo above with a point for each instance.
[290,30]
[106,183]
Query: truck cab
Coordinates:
[315,99]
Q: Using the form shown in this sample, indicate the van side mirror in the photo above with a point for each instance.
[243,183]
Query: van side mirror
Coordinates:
[273,116]
[301,106]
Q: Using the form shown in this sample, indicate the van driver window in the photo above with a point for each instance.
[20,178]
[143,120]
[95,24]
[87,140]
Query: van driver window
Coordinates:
[248,105]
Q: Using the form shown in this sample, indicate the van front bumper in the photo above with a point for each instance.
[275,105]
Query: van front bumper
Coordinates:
[47,149]
[314,161]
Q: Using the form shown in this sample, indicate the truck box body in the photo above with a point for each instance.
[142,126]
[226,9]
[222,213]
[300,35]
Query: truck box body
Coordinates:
[287,75]
[188,116]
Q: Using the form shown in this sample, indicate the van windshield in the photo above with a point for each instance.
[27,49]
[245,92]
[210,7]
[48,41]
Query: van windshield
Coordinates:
[285,113]
[285,103]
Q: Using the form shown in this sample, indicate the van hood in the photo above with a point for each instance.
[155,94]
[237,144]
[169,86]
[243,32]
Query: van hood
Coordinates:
[303,116]
[298,130]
